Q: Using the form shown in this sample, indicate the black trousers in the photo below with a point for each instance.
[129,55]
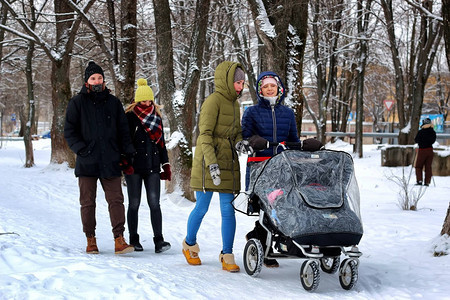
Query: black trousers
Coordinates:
[152,184]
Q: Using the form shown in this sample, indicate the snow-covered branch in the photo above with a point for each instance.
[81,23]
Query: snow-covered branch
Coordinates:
[425,11]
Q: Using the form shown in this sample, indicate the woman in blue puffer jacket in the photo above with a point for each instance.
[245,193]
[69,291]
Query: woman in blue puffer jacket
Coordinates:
[269,119]
[266,122]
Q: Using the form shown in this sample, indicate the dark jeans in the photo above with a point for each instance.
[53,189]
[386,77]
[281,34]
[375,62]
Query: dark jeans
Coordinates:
[424,158]
[152,183]
[113,194]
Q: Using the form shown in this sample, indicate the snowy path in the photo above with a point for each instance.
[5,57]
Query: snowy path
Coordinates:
[46,258]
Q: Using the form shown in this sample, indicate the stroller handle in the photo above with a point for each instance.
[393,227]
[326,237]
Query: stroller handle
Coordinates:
[287,145]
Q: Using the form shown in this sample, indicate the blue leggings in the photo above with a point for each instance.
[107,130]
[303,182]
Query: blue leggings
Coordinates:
[228,219]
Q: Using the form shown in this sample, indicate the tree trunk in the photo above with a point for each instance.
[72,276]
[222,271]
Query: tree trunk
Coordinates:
[399,76]
[363,23]
[128,24]
[296,53]
[30,107]
[418,72]
[446,26]
[178,154]
[113,31]
[186,115]
[446,226]
[60,81]
[275,15]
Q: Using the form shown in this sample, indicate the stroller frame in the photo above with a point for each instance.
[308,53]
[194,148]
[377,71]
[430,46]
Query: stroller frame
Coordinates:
[254,255]
[324,257]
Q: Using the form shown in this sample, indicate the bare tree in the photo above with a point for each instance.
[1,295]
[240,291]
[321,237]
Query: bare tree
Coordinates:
[30,106]
[60,55]
[282,28]
[425,37]
[326,25]
[124,70]
[180,106]
[296,47]
[446,25]
[363,29]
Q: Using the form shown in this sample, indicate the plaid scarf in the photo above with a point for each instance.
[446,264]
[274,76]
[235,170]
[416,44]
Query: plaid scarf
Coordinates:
[151,121]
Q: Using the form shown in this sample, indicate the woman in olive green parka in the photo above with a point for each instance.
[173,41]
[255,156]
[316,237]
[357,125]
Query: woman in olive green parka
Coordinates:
[216,163]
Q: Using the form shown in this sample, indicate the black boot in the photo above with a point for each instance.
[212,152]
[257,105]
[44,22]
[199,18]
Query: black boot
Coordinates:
[160,244]
[134,241]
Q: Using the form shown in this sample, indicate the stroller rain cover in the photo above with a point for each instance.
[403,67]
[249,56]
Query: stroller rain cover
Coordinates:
[312,197]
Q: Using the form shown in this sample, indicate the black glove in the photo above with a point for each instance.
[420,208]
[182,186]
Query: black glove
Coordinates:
[311,145]
[258,143]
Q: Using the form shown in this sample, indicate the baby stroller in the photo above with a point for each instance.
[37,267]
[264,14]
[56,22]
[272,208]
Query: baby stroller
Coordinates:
[308,207]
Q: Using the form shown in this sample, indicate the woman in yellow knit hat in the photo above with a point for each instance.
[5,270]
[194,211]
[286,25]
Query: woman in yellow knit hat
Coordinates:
[146,130]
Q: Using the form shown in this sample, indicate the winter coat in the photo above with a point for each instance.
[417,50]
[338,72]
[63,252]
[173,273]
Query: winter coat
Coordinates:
[274,123]
[96,129]
[220,130]
[426,136]
[149,155]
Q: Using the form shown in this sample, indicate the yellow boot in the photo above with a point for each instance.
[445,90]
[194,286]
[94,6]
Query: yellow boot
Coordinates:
[228,262]
[191,253]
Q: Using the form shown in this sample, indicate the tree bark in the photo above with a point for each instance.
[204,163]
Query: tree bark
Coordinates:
[418,72]
[128,55]
[363,23]
[30,107]
[446,226]
[180,155]
[277,15]
[296,52]
[446,25]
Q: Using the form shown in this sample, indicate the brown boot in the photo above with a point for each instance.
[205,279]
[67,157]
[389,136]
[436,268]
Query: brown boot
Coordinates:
[191,253]
[228,262]
[121,247]
[91,245]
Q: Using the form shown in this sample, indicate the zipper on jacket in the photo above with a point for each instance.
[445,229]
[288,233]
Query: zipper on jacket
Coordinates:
[274,120]
[203,175]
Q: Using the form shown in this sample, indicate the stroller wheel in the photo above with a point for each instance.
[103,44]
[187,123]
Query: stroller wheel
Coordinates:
[310,275]
[253,257]
[348,273]
[330,264]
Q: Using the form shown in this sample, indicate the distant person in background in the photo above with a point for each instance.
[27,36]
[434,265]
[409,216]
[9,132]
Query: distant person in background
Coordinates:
[147,134]
[96,130]
[425,138]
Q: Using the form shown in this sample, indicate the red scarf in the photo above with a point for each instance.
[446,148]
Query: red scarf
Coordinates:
[151,121]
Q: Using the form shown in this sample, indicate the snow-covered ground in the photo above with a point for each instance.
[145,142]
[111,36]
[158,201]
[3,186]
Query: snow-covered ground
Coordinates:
[42,253]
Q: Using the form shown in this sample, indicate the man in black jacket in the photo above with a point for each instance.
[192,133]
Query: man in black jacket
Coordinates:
[96,130]
[425,138]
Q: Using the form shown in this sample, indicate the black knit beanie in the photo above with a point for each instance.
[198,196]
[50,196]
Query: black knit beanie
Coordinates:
[91,69]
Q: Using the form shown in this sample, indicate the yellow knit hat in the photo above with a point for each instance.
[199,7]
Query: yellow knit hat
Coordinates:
[143,91]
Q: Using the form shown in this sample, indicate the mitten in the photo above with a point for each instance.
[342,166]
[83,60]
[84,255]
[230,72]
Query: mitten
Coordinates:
[311,145]
[244,147]
[258,143]
[125,166]
[166,174]
[215,173]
